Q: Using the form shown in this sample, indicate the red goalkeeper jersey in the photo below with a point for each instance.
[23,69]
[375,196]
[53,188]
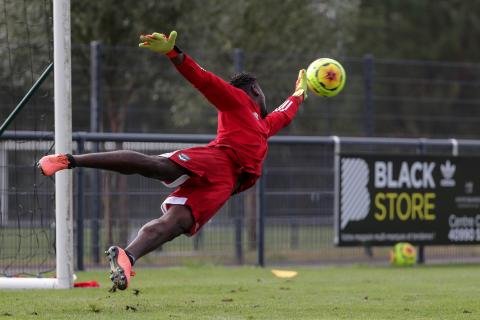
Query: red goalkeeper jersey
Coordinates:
[240,126]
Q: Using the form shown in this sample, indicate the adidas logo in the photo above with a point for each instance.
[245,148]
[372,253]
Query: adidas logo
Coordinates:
[448,171]
[183,157]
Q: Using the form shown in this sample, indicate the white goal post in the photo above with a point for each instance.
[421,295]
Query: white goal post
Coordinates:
[63,144]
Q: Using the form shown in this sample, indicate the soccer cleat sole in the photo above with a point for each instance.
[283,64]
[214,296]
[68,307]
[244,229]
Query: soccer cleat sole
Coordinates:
[117,274]
[39,166]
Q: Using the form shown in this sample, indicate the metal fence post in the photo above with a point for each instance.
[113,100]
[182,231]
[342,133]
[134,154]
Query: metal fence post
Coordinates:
[80,215]
[454,143]
[95,126]
[238,60]
[261,219]
[238,210]
[197,241]
[368,72]
[238,64]
[421,247]
[4,186]
[336,188]
[95,105]
[294,234]
[95,222]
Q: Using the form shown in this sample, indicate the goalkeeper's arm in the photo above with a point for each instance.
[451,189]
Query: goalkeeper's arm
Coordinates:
[220,93]
[284,114]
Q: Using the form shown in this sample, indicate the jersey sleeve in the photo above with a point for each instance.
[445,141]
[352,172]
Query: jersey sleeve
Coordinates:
[283,115]
[220,93]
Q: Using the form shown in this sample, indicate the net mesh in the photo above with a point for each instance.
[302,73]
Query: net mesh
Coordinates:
[27,218]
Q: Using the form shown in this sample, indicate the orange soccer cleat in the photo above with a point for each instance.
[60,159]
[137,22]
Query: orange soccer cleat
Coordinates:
[120,267]
[50,164]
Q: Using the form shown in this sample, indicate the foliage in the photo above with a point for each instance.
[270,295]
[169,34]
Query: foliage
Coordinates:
[142,92]
[248,24]
[421,30]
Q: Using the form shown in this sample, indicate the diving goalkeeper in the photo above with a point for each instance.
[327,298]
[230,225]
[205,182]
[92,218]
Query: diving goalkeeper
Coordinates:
[204,177]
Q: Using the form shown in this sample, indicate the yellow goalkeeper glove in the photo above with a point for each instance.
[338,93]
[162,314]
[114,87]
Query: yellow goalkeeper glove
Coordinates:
[158,42]
[301,85]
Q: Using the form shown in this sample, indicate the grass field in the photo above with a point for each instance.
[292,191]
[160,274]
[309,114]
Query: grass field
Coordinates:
[209,292]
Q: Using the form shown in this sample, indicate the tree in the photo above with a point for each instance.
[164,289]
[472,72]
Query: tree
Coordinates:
[413,92]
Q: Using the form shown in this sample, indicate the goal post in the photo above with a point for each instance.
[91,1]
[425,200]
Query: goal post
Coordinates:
[63,141]
[63,144]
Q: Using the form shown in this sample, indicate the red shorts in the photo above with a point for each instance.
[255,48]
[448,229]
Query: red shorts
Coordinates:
[213,178]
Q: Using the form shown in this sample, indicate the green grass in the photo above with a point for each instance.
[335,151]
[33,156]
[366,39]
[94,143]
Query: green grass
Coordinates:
[207,292]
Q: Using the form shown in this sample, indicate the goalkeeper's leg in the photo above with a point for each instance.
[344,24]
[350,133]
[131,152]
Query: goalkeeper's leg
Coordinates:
[178,220]
[122,161]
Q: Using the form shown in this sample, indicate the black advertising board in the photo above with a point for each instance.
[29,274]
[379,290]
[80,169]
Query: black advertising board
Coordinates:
[382,200]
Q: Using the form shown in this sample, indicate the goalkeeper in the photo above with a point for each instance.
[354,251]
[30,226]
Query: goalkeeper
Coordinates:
[204,177]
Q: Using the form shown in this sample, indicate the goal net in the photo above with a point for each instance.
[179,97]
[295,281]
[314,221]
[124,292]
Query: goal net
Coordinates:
[31,242]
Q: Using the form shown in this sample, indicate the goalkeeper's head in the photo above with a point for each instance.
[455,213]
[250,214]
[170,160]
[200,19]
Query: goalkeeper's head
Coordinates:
[248,83]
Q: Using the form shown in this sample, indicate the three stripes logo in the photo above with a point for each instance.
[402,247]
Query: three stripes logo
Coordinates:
[355,198]
[284,106]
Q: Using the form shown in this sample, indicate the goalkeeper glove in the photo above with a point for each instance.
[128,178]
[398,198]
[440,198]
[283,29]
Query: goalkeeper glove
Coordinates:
[301,85]
[158,42]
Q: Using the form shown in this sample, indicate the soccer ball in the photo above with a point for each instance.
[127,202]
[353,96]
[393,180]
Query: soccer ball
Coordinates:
[325,77]
[403,254]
